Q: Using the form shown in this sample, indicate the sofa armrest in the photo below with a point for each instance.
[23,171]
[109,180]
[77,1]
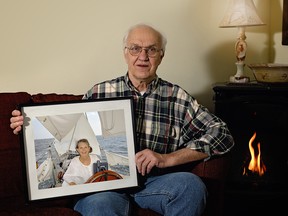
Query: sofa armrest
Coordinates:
[215,168]
[214,174]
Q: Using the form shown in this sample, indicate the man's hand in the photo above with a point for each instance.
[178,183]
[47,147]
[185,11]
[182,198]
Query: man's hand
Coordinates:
[16,121]
[147,159]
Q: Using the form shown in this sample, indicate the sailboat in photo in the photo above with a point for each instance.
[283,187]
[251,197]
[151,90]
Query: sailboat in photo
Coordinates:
[67,129]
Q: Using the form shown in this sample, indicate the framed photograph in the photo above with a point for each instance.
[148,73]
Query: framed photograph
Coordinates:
[55,167]
[285,23]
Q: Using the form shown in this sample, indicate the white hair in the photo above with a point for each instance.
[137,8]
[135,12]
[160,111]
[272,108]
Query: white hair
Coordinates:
[162,37]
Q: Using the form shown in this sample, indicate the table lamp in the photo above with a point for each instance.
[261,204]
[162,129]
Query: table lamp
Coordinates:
[240,14]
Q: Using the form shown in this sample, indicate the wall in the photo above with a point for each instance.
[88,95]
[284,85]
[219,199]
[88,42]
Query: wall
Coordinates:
[66,46]
[278,52]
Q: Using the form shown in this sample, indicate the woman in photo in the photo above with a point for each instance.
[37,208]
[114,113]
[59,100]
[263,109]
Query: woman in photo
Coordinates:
[80,168]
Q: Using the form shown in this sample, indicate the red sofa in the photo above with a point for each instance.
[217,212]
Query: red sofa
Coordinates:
[13,188]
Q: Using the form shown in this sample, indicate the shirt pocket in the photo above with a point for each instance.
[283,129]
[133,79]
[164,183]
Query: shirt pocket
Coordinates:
[165,137]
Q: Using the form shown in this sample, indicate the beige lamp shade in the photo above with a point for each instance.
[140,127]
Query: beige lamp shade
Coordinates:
[241,13]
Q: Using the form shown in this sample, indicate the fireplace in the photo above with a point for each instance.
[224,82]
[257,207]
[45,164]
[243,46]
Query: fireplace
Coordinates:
[257,116]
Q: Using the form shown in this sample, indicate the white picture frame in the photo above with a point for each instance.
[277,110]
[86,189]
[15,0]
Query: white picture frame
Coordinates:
[42,137]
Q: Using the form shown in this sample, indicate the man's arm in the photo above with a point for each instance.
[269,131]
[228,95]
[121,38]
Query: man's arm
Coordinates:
[147,159]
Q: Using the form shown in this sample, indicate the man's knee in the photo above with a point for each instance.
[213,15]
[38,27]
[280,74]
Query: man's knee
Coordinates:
[104,203]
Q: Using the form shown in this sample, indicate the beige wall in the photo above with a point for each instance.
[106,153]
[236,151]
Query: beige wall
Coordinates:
[65,46]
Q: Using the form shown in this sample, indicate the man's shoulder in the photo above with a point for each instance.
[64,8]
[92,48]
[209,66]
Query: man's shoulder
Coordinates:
[112,81]
[175,90]
[176,87]
[109,88]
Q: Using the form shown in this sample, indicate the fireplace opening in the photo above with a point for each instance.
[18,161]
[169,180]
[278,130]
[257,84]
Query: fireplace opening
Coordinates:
[257,116]
[259,127]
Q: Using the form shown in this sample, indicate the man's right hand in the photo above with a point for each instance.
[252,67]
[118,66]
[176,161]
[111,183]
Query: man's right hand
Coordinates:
[16,121]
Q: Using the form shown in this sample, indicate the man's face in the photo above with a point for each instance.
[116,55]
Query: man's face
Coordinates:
[142,67]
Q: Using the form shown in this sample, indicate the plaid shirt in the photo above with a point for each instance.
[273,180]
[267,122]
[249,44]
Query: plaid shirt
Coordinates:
[168,118]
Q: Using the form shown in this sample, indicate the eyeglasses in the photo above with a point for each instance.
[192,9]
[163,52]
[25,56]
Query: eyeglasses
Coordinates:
[136,50]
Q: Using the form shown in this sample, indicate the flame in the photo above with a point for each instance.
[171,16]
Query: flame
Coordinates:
[256,165]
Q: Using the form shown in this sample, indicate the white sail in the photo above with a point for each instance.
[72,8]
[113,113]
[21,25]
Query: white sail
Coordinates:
[112,122]
[68,129]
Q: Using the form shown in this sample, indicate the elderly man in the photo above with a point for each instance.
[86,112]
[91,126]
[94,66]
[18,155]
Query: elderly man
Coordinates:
[172,129]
